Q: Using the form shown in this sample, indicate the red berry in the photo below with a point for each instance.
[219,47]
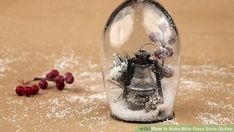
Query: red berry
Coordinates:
[68,74]
[19,90]
[155,37]
[169,51]
[54,73]
[160,53]
[60,86]
[164,26]
[172,39]
[43,84]
[168,71]
[49,75]
[35,89]
[59,79]
[27,91]
[69,79]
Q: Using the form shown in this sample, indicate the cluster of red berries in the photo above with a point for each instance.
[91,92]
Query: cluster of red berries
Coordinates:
[52,76]
[27,90]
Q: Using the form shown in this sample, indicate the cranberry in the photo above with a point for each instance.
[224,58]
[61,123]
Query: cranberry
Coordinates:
[54,73]
[27,91]
[68,74]
[160,53]
[172,39]
[155,37]
[69,79]
[35,89]
[49,75]
[60,86]
[19,90]
[59,79]
[169,51]
[43,84]
[164,26]
[168,71]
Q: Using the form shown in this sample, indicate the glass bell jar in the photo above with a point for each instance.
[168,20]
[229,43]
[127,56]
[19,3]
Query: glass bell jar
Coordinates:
[141,62]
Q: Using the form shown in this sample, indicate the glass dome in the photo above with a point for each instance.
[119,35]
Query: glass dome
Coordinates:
[141,62]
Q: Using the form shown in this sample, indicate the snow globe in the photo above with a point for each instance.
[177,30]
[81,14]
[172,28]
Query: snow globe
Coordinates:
[140,58]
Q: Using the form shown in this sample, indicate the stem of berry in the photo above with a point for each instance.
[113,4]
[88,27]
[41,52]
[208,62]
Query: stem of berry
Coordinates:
[25,83]
[39,78]
[163,61]
[35,79]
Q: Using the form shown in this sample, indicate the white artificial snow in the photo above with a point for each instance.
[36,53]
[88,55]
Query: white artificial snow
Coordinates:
[193,85]
[214,119]
[120,109]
